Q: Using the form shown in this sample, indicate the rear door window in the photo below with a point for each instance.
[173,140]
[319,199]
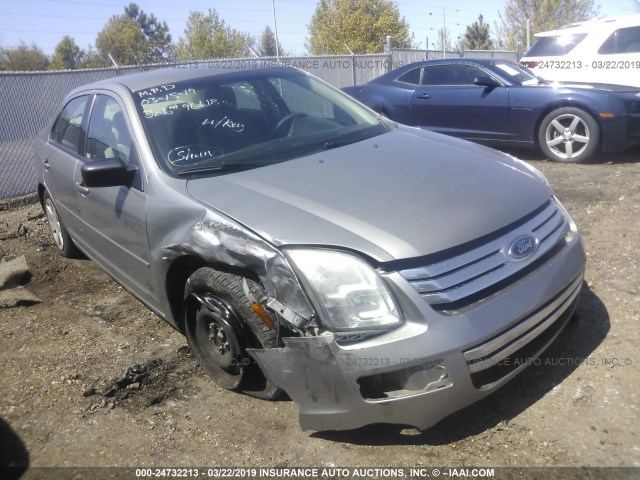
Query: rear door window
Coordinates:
[412,77]
[67,129]
[623,40]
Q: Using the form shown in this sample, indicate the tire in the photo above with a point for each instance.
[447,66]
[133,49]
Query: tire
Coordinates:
[220,325]
[569,135]
[61,238]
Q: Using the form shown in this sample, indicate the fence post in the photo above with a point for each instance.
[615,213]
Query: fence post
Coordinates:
[115,65]
[389,65]
[353,67]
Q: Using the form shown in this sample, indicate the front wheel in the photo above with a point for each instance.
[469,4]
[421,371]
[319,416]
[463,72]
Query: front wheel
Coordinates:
[220,324]
[569,135]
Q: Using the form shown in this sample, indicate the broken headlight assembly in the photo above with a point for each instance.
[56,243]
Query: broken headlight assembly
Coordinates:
[348,293]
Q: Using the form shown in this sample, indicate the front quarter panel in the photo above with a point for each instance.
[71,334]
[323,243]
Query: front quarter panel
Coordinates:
[178,226]
[529,104]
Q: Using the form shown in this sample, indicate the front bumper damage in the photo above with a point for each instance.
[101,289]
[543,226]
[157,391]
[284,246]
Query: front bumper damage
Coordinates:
[432,366]
[323,380]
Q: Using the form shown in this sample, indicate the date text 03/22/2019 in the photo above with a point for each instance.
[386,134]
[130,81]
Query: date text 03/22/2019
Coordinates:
[579,65]
[313,472]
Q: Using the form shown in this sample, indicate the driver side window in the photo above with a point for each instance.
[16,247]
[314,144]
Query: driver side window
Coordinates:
[108,135]
[450,75]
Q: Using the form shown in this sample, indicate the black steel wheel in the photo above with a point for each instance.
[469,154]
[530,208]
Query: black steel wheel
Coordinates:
[220,324]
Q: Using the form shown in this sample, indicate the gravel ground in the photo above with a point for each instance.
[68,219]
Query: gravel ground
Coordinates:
[90,377]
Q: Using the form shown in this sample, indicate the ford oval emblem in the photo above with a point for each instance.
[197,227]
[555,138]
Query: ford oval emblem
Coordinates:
[523,246]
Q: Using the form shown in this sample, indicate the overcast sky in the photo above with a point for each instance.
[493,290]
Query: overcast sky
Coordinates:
[44,22]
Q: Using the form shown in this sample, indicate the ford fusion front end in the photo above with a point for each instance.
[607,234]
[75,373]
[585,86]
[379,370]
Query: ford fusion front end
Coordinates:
[410,342]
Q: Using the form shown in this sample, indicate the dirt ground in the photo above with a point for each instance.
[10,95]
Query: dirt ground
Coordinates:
[90,377]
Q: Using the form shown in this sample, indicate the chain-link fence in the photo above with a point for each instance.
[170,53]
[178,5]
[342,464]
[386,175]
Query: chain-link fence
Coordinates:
[404,56]
[30,99]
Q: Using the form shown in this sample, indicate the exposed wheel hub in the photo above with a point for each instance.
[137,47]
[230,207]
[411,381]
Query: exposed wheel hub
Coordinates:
[219,343]
[219,339]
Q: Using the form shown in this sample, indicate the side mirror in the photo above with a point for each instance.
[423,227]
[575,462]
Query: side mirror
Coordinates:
[110,172]
[486,81]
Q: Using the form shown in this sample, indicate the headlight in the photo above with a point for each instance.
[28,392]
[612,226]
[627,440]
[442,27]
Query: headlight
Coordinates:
[350,293]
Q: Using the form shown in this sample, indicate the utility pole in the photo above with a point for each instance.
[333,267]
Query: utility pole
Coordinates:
[275,27]
[444,33]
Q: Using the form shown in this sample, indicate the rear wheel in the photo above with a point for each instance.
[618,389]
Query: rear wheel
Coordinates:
[59,232]
[569,135]
[220,325]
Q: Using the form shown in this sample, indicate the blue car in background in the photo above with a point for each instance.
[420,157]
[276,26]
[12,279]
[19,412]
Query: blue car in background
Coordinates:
[499,103]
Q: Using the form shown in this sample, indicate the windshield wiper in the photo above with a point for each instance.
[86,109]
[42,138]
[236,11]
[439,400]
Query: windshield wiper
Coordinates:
[224,167]
[329,145]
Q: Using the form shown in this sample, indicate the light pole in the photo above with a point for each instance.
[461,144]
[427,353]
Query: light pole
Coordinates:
[444,33]
[275,27]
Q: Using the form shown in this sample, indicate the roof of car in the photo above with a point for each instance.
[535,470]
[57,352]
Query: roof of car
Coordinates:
[464,60]
[177,73]
[590,25]
[483,61]
[393,74]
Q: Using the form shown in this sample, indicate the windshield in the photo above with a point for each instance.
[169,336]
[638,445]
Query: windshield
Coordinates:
[516,74]
[248,119]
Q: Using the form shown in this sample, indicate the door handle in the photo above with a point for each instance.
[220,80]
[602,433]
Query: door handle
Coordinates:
[46,164]
[423,96]
[83,190]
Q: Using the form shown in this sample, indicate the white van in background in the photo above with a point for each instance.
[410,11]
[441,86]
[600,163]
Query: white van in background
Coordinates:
[595,51]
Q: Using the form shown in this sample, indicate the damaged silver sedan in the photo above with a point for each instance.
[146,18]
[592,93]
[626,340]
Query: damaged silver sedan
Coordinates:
[374,272]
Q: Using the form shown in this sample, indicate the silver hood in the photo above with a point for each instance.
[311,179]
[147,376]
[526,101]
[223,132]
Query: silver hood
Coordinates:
[403,194]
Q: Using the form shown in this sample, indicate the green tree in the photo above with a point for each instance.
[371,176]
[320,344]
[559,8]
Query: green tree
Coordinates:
[477,36]
[123,39]
[207,36]
[93,59]
[543,14]
[23,58]
[267,45]
[67,55]
[155,33]
[362,25]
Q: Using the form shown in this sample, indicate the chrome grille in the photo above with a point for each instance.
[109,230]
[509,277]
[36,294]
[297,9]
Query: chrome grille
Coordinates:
[464,276]
[496,350]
